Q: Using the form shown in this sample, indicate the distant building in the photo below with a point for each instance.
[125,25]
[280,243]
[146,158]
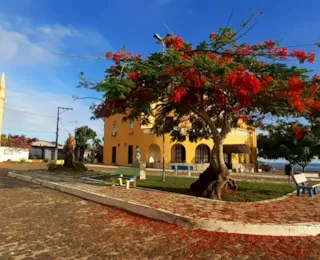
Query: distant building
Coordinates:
[45,150]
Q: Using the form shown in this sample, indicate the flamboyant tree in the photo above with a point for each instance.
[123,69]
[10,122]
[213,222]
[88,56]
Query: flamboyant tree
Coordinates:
[208,89]
[297,143]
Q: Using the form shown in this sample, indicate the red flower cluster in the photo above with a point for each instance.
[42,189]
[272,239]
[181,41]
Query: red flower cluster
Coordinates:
[281,52]
[246,51]
[178,94]
[109,55]
[213,35]
[119,56]
[315,108]
[189,74]
[245,81]
[133,75]
[174,42]
[170,72]
[295,84]
[265,81]
[243,118]
[112,70]
[185,56]
[299,133]
[240,69]
[270,45]
[18,142]
[311,57]
[211,56]
[301,55]
[295,89]
[246,85]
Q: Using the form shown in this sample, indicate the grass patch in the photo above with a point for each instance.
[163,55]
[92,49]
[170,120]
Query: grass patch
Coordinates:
[247,191]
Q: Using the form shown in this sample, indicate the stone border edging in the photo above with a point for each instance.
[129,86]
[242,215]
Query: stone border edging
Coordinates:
[300,229]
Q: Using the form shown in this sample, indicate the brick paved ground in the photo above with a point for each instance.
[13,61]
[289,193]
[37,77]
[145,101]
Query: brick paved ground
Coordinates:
[39,223]
[288,210]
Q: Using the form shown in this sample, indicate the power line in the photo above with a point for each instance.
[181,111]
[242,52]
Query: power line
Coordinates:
[63,127]
[30,113]
[22,130]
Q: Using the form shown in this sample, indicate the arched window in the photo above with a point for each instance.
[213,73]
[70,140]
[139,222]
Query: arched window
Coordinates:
[202,154]
[178,153]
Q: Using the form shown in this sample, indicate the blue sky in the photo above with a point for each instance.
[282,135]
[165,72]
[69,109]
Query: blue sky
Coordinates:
[38,81]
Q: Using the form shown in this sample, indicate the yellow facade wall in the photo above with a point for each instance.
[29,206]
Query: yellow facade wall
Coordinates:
[141,137]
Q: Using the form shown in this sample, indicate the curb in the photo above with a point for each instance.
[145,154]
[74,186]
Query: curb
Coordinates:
[299,229]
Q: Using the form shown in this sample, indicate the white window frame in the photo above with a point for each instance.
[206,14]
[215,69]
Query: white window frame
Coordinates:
[114,128]
[131,124]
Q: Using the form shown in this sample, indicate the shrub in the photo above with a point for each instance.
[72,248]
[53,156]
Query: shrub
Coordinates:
[46,160]
[22,161]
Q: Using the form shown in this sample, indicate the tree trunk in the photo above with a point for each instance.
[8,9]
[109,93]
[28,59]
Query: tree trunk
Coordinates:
[69,159]
[304,167]
[215,178]
[81,155]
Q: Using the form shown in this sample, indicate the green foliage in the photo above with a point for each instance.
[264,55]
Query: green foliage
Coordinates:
[280,142]
[83,135]
[96,142]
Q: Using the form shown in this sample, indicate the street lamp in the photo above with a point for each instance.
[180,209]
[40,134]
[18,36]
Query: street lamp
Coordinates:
[161,40]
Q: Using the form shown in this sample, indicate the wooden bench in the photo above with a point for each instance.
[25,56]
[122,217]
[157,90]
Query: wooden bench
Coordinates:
[303,184]
[188,168]
[128,174]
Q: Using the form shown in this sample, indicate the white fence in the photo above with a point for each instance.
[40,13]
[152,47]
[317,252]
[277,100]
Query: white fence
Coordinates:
[13,154]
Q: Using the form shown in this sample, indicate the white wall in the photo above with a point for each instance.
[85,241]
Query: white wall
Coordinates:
[7,153]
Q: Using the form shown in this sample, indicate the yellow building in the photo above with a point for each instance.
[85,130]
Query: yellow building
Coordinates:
[2,100]
[121,140]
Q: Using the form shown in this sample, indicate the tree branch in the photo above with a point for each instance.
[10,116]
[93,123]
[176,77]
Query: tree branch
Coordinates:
[204,116]
[81,57]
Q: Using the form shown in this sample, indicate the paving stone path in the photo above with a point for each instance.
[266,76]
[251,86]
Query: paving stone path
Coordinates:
[287,210]
[40,223]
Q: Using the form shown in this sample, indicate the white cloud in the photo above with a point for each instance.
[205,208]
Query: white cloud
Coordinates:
[25,44]
[16,49]
[24,97]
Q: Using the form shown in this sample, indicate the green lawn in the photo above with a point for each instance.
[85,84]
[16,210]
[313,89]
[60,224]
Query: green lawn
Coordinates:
[247,191]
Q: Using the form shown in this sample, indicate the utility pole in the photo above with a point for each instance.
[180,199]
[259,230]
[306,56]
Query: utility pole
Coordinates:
[161,40]
[57,131]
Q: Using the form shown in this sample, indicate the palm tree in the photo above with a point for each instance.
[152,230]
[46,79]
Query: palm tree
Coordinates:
[96,142]
[83,135]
